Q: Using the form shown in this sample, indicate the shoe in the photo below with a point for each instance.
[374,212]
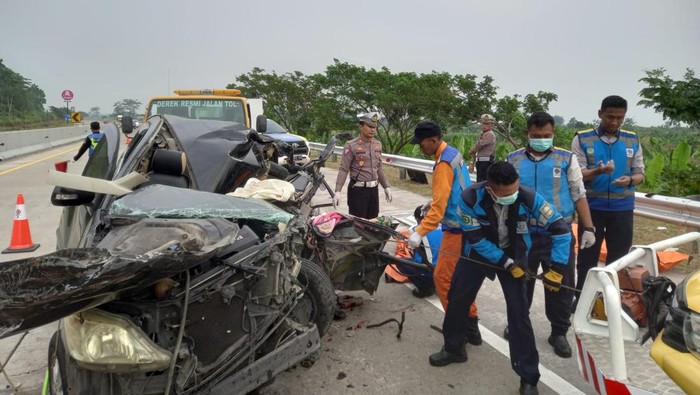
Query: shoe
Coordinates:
[561,345]
[528,389]
[473,334]
[423,293]
[444,358]
[505,333]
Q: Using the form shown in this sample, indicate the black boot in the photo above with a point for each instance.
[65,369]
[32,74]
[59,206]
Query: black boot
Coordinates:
[473,333]
[423,292]
[561,345]
[444,358]
[505,333]
[528,389]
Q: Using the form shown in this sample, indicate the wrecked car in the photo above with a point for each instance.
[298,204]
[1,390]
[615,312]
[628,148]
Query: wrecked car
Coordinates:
[164,284]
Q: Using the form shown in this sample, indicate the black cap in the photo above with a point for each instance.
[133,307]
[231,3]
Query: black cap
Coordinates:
[94,125]
[425,129]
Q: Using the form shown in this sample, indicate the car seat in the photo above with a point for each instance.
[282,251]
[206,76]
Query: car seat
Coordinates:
[168,168]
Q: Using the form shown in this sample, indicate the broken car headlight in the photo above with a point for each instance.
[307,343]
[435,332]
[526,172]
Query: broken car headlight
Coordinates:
[99,340]
[691,333]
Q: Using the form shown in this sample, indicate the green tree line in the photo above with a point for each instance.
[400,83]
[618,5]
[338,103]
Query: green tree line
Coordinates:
[20,99]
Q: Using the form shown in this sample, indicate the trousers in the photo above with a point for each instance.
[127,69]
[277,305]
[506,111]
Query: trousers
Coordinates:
[363,202]
[466,282]
[450,250]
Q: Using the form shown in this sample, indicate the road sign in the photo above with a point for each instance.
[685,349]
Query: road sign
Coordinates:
[67,95]
[67,117]
[76,117]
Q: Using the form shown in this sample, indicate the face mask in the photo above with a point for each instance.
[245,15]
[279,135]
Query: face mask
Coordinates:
[541,145]
[507,200]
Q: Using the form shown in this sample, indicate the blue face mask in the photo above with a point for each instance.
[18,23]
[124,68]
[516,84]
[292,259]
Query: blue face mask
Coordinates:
[506,200]
[541,145]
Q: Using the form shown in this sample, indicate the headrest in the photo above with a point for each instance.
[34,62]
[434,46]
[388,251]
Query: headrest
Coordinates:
[169,162]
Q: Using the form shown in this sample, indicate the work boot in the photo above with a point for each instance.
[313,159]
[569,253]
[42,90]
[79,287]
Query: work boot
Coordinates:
[528,389]
[561,345]
[423,292]
[444,358]
[473,334]
[505,333]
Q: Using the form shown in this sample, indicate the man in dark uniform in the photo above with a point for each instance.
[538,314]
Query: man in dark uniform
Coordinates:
[494,216]
[90,141]
[362,160]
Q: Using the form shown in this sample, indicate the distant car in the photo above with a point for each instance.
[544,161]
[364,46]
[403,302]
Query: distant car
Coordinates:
[301,151]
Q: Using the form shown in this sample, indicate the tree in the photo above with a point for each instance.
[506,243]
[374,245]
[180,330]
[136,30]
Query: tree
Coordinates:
[127,107]
[95,111]
[677,100]
[19,97]
[558,120]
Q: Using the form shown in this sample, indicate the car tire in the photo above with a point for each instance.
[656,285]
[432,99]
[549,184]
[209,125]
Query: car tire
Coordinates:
[319,300]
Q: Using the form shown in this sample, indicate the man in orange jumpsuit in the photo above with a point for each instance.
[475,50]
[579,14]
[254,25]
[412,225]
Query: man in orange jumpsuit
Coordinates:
[450,178]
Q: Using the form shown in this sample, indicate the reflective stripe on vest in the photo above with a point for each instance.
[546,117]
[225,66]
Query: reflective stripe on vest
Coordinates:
[460,182]
[94,139]
[602,193]
[548,177]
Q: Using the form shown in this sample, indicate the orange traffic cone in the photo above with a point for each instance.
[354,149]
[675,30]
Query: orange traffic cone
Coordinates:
[21,240]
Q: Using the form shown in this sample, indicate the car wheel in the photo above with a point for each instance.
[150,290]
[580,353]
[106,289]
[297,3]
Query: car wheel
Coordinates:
[319,300]
[55,378]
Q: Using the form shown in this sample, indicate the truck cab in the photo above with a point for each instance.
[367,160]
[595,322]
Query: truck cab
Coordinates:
[223,105]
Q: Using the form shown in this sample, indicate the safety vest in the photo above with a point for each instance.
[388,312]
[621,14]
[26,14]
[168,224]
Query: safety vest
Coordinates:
[460,181]
[601,192]
[547,176]
[94,139]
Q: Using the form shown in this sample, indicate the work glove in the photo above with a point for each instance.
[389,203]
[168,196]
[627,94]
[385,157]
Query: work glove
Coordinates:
[552,280]
[387,193]
[517,272]
[336,200]
[587,239]
[414,240]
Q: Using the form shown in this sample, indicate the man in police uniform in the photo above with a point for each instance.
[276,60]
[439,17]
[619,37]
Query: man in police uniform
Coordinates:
[494,215]
[555,174]
[90,141]
[362,160]
[482,152]
[612,164]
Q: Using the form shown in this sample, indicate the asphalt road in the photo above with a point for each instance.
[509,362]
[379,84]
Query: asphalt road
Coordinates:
[354,359]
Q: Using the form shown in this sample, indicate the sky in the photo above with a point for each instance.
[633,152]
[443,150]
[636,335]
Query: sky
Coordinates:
[106,51]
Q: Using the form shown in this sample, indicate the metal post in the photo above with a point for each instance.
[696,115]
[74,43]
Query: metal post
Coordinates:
[613,308]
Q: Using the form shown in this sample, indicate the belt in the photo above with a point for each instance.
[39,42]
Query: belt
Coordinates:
[366,184]
[484,158]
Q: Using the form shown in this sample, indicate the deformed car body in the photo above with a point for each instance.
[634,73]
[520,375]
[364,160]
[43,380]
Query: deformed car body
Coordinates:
[170,286]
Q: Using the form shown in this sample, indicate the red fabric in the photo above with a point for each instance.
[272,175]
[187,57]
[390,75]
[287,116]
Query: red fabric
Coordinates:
[402,251]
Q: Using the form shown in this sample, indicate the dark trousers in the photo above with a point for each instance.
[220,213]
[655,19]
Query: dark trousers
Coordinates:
[557,305]
[421,278]
[364,202]
[481,169]
[616,227]
[466,281]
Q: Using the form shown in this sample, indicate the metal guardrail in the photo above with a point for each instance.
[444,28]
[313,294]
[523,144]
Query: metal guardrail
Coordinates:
[669,209]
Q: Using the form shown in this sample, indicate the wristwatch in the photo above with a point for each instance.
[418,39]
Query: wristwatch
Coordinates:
[591,229]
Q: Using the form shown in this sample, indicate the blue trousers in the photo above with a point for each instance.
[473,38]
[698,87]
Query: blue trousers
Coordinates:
[466,282]
[557,305]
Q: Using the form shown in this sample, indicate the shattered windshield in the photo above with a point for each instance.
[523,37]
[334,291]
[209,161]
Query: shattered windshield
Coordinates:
[161,201]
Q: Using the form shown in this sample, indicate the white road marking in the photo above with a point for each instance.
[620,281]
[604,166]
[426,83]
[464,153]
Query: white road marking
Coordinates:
[547,377]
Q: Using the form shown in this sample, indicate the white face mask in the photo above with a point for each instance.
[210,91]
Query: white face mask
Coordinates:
[505,200]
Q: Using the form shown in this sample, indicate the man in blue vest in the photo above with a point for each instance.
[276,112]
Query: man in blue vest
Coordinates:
[450,178]
[90,141]
[612,164]
[555,174]
[494,216]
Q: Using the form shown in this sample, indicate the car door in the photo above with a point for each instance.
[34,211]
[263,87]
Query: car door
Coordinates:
[77,220]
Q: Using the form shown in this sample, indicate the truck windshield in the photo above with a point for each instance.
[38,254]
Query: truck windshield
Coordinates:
[217,109]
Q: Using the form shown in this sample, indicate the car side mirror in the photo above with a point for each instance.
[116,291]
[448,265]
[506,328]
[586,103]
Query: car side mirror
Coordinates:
[261,124]
[127,124]
[66,197]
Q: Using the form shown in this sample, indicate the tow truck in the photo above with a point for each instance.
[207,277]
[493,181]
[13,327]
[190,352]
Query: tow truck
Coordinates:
[626,303]
[225,105]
